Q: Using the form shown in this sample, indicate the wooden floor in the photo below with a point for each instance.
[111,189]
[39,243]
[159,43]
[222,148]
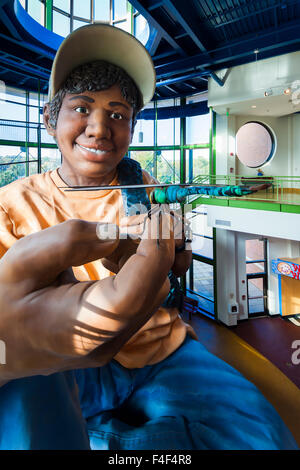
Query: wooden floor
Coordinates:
[271,336]
[240,347]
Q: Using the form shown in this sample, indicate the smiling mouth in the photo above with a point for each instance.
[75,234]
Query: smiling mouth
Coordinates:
[95,151]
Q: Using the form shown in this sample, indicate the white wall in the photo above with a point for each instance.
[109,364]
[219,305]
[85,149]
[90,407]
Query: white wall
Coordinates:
[231,275]
[250,81]
[225,145]
[266,223]
[286,161]
[294,158]
[278,166]
[226,275]
[232,102]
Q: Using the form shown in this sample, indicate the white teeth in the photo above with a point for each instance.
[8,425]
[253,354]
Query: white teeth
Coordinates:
[98,152]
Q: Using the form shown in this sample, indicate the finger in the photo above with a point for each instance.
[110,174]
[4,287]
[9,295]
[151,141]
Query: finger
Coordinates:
[36,260]
[66,277]
[132,222]
[132,226]
[158,229]
[110,266]
[124,250]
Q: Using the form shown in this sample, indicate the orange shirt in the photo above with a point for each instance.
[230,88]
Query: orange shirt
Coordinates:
[37,202]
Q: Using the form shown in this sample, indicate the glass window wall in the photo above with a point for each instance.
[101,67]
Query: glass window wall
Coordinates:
[202,234]
[12,131]
[197,162]
[125,25]
[120,9]
[78,23]
[82,9]
[16,162]
[168,166]
[143,133]
[51,159]
[197,129]
[36,9]
[200,286]
[63,5]
[102,10]
[68,15]
[12,111]
[61,24]
[141,28]
[146,158]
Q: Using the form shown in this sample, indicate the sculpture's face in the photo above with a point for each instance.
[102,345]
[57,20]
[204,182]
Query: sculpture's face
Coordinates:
[93,133]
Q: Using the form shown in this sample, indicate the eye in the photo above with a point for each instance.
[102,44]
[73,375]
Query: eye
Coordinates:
[81,109]
[116,116]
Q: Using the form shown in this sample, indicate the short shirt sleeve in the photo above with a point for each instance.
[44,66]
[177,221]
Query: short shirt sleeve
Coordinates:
[7,238]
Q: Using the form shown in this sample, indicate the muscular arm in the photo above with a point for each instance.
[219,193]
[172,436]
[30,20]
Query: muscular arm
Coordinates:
[182,262]
[51,322]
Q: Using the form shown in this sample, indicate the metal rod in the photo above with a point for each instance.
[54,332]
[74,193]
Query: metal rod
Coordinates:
[133,186]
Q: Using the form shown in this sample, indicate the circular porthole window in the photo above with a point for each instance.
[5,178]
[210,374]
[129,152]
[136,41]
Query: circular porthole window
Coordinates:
[255,144]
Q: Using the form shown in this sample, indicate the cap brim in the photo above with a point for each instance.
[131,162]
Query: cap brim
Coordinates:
[104,42]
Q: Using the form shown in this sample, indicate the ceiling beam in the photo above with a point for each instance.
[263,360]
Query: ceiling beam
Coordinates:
[8,70]
[184,16]
[153,41]
[164,54]
[155,5]
[9,25]
[149,17]
[255,13]
[170,89]
[28,46]
[244,48]
[3,2]
[182,78]
[31,69]
[239,10]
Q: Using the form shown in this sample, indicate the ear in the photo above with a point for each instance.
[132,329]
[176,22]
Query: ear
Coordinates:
[46,119]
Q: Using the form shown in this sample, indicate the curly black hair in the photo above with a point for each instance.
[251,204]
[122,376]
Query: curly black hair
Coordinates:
[97,76]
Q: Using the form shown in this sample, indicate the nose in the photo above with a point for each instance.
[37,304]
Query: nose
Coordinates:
[98,125]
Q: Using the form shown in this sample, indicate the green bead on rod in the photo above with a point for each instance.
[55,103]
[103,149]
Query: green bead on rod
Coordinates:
[178,194]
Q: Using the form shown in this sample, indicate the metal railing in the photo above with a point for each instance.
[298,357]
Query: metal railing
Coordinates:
[279,189]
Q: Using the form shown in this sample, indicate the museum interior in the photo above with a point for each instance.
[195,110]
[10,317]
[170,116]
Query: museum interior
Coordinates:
[226,111]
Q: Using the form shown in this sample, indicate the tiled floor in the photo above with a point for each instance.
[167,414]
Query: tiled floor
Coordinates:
[203,279]
[255,305]
[204,285]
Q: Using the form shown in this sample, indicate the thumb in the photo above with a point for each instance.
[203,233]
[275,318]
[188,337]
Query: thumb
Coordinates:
[36,260]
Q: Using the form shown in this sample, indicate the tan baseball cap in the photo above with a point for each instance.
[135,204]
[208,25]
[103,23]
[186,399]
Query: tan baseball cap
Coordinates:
[104,42]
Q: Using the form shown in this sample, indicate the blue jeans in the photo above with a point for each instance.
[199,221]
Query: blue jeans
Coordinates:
[191,400]
[42,412]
